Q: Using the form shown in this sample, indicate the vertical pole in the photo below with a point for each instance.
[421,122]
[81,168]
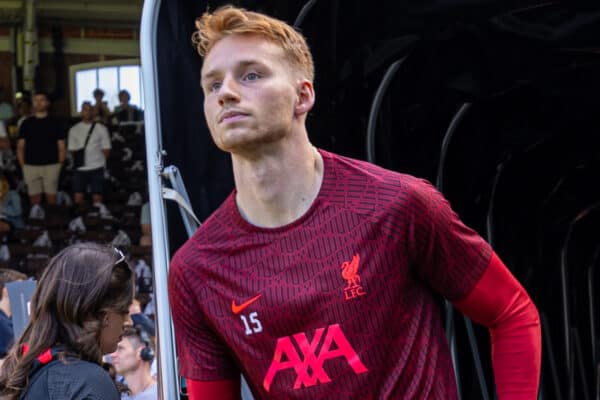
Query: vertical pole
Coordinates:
[167,362]
[30,44]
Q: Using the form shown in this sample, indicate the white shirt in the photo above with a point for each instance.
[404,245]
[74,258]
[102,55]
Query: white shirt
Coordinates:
[99,140]
[151,393]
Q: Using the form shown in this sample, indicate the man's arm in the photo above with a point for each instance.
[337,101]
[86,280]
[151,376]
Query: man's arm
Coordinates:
[106,144]
[499,302]
[61,151]
[21,152]
[217,390]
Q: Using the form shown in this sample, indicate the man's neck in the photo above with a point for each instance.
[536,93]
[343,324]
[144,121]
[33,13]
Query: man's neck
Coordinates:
[139,380]
[278,186]
[41,114]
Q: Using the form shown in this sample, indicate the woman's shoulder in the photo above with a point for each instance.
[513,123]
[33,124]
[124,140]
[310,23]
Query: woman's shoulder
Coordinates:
[75,379]
[71,379]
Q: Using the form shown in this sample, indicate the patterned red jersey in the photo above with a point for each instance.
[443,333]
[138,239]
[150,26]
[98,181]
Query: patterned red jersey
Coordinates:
[340,304]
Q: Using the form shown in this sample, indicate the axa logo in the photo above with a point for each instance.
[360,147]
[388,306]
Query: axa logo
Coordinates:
[350,274]
[308,363]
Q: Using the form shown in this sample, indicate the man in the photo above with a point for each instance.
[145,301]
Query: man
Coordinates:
[6,326]
[132,360]
[126,112]
[319,276]
[100,107]
[41,151]
[96,151]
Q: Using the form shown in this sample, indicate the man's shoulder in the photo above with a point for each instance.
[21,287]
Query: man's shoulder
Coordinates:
[353,176]
[149,394]
[345,166]
[77,126]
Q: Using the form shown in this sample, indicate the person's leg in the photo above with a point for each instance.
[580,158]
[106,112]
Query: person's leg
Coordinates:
[50,182]
[79,185]
[96,181]
[33,181]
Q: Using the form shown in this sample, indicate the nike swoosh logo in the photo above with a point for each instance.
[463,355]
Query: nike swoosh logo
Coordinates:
[238,309]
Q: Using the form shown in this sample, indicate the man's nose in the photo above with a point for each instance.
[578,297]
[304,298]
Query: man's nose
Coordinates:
[229,91]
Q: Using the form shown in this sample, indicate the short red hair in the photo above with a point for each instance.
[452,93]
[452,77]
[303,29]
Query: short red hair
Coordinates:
[229,20]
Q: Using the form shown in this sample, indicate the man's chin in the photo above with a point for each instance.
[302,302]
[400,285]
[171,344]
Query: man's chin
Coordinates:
[244,143]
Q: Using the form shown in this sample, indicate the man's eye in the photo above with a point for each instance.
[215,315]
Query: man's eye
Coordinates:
[214,86]
[252,76]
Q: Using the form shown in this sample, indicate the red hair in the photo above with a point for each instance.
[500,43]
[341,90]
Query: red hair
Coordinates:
[229,20]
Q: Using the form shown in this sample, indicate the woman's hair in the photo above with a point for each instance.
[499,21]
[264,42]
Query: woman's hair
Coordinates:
[229,20]
[78,287]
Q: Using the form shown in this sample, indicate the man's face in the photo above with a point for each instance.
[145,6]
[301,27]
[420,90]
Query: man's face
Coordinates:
[127,356]
[40,103]
[250,92]
[86,112]
[123,98]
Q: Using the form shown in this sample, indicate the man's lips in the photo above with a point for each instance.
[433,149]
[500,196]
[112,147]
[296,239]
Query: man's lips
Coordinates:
[231,116]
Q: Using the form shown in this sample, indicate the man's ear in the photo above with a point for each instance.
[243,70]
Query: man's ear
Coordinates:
[305,97]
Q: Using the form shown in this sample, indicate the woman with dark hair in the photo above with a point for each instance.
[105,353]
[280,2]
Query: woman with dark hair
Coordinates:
[77,314]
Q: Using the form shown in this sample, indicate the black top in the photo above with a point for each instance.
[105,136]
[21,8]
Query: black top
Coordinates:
[72,379]
[6,334]
[41,140]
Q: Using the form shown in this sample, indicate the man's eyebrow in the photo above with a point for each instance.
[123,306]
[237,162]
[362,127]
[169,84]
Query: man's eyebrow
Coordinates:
[241,64]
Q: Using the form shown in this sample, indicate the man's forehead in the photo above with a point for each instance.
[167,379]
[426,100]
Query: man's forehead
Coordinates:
[250,49]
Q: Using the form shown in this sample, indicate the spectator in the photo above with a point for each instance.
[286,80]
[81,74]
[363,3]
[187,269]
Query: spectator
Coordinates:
[6,327]
[100,109]
[146,238]
[6,109]
[126,112]
[41,151]
[23,112]
[93,138]
[132,360]
[77,314]
[4,140]
[10,208]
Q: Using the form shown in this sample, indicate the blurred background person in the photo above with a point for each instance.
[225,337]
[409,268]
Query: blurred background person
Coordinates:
[93,140]
[126,112]
[11,211]
[100,108]
[145,225]
[6,326]
[6,109]
[78,311]
[132,360]
[41,151]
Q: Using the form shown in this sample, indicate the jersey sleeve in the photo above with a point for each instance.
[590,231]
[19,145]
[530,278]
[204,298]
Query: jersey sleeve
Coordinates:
[202,354]
[499,302]
[449,256]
